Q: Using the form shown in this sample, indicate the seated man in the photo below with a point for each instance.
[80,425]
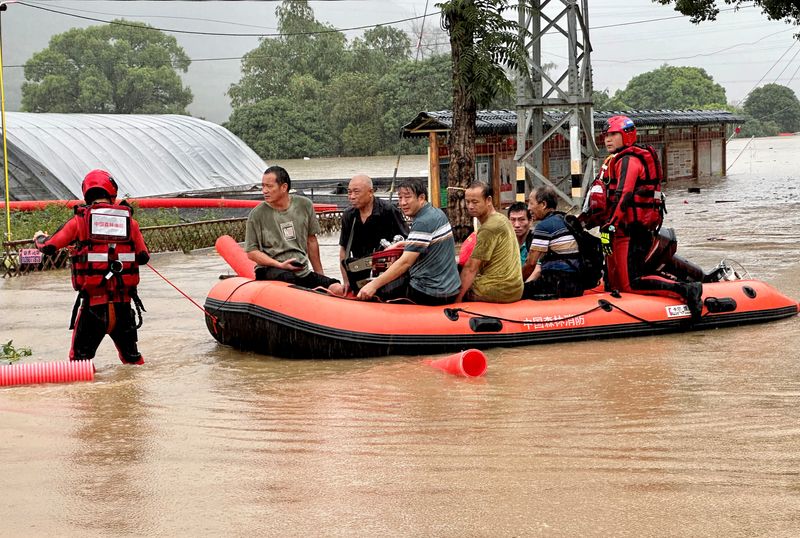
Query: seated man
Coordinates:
[554,263]
[281,236]
[369,220]
[428,253]
[520,217]
[493,272]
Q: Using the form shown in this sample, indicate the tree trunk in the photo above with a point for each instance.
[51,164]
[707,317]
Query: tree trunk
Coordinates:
[461,143]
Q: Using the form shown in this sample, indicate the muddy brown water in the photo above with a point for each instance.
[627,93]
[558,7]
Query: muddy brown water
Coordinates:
[692,434]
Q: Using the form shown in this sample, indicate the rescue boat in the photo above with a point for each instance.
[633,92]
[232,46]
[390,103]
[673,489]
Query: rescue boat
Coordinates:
[282,320]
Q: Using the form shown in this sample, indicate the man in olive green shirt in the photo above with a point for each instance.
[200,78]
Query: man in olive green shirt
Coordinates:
[281,236]
[493,272]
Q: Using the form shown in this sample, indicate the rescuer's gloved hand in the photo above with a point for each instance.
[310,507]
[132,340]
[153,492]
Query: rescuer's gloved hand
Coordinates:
[605,239]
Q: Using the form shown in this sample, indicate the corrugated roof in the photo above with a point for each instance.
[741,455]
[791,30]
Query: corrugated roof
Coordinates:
[148,155]
[505,121]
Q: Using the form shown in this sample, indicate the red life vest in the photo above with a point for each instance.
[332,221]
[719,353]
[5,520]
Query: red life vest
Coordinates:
[104,262]
[647,205]
[596,209]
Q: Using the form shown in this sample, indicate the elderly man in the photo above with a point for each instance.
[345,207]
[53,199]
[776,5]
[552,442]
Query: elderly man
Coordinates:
[493,272]
[281,236]
[365,223]
[554,264]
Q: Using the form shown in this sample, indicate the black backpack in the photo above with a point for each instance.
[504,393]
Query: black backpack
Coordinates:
[591,251]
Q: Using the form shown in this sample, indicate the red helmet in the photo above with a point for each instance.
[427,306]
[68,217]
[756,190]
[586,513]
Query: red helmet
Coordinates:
[98,184]
[624,125]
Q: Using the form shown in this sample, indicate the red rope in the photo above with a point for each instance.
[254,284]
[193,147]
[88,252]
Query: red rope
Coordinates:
[209,314]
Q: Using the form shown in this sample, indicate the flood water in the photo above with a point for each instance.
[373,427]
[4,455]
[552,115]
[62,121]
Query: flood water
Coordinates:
[691,434]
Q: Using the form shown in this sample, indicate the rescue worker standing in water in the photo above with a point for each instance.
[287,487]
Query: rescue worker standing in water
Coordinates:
[626,202]
[106,250]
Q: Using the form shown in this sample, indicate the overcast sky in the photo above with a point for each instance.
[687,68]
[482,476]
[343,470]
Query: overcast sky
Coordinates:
[737,50]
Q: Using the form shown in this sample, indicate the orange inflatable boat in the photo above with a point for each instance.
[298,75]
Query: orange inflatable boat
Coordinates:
[278,319]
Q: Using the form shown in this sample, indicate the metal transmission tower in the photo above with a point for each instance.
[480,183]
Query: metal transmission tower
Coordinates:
[566,95]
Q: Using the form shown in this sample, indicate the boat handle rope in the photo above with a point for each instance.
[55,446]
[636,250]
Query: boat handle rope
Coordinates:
[602,304]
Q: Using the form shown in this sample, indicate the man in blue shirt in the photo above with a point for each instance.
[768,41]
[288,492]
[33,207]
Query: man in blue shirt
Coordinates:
[429,252]
[554,261]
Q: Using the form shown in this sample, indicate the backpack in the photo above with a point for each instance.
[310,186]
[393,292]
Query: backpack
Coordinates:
[591,252]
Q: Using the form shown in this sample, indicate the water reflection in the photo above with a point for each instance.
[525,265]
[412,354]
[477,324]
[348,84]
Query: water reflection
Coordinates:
[112,445]
[673,435]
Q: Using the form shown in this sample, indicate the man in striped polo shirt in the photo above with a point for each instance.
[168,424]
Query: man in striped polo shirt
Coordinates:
[429,252]
[553,267]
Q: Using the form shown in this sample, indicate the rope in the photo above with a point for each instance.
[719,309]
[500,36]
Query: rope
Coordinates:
[602,303]
[209,314]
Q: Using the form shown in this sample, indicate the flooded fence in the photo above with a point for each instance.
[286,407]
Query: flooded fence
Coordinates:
[21,257]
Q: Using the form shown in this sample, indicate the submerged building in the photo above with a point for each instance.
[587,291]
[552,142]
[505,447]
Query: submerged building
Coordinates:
[691,144]
[148,155]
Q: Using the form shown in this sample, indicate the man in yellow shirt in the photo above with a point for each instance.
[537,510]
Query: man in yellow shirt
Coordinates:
[493,272]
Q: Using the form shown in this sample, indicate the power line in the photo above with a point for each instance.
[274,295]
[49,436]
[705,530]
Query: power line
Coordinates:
[224,34]
[201,19]
[702,54]
[768,70]
[654,20]
[786,66]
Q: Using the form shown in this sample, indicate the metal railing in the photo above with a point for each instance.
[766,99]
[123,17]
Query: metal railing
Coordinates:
[169,238]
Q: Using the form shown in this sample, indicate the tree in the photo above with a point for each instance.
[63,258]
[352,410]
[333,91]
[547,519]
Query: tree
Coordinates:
[357,94]
[605,102]
[380,47]
[354,113]
[408,88]
[707,10]
[286,126]
[482,42]
[774,103]
[670,87]
[121,68]
[307,47]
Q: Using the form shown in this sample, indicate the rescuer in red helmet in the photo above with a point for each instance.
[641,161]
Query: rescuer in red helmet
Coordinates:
[106,249]
[626,202]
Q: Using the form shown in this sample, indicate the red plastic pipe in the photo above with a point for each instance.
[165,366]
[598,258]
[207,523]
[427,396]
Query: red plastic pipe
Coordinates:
[236,257]
[154,203]
[46,372]
[469,363]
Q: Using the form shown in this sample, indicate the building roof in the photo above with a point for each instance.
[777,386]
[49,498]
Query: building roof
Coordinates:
[148,155]
[505,121]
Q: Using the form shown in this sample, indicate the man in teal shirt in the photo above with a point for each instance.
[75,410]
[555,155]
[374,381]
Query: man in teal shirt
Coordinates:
[520,217]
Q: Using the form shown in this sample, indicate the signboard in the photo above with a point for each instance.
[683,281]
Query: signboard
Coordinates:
[30,256]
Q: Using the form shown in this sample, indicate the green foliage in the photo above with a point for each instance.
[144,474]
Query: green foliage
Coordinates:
[605,102]
[408,88]
[291,125]
[756,127]
[773,103]
[707,10]
[675,88]
[484,43]
[25,223]
[269,68]
[124,68]
[315,95]
[11,354]
[379,49]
